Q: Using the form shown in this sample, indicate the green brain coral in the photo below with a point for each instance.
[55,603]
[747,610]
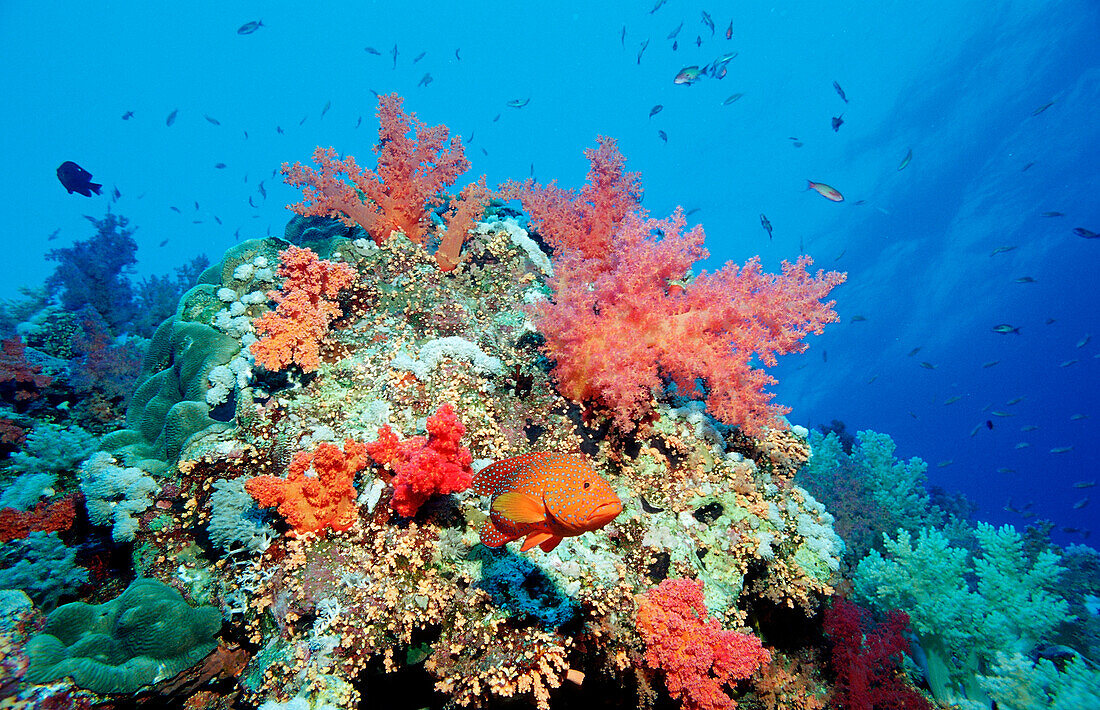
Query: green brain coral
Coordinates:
[145,635]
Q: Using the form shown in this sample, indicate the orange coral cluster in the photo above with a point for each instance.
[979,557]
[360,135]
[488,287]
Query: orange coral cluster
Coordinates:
[311,503]
[305,309]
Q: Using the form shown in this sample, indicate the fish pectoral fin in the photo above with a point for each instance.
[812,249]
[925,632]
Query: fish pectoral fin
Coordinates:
[519,507]
[537,538]
[491,536]
[549,544]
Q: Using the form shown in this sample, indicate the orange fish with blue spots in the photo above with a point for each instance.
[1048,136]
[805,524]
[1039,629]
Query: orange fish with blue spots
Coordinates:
[544,497]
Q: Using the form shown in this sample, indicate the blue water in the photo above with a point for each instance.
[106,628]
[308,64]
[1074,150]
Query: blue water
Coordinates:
[955,82]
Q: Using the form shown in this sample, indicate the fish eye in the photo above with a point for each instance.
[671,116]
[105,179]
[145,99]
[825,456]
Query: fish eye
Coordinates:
[587,484]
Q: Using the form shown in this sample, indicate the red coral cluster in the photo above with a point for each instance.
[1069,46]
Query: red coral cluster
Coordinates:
[436,464]
[304,310]
[312,500]
[26,378]
[698,656]
[45,517]
[867,661]
[403,191]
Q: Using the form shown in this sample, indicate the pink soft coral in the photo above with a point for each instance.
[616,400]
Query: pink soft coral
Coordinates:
[405,188]
[621,321]
[425,466]
[293,331]
[699,657]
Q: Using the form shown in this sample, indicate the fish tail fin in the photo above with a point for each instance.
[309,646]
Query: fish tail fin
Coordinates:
[94,186]
[809,185]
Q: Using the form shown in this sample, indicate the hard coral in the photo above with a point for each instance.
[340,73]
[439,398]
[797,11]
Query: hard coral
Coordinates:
[325,499]
[305,308]
[425,466]
[698,656]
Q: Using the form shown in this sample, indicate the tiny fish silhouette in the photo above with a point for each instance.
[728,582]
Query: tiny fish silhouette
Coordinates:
[250,27]
[544,497]
[77,179]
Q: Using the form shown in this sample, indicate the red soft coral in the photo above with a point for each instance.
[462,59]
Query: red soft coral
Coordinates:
[425,466]
[314,500]
[407,186]
[621,322]
[867,661]
[698,656]
[294,329]
[14,368]
[45,517]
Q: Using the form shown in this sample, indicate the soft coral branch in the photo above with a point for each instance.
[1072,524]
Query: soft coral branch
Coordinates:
[416,163]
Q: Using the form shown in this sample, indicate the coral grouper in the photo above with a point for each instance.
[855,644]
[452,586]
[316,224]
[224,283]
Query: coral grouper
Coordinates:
[545,497]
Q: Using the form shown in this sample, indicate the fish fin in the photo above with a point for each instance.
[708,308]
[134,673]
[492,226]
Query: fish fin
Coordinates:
[550,544]
[491,536]
[519,507]
[94,186]
[537,538]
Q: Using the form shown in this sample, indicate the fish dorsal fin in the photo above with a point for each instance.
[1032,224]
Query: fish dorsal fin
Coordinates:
[499,476]
[519,507]
[490,536]
[536,538]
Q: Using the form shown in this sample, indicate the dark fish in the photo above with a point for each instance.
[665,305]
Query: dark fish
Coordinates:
[418,57]
[279,130]
[1002,249]
[914,351]
[698,41]
[163,243]
[1005,329]
[53,234]
[77,179]
[173,208]
[471,138]
[302,122]
[860,202]
[1054,214]
[324,110]
[729,100]
[858,319]
[219,166]
[729,31]
[622,37]
[394,53]
[840,91]
[663,136]
[641,50]
[766,225]
[171,117]
[196,205]
[250,27]
[1086,233]
[246,135]
[1042,108]
[217,219]
[496,118]
[906,160]
[1025,280]
[928,366]
[263,191]
[991,363]
[824,356]
[424,80]
[237,234]
[655,110]
[250,202]
[210,119]
[484,152]
[458,58]
[692,211]
[675,45]
[1024,169]
[708,22]
[989,424]
[127,116]
[519,103]
[196,221]
[657,6]
[372,50]
[359,122]
[838,121]
[672,34]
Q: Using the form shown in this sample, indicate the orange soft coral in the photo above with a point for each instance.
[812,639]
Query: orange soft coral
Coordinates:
[305,308]
[699,657]
[317,492]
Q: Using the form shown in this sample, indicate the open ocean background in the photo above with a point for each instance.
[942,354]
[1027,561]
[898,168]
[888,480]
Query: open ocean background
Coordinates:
[959,83]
